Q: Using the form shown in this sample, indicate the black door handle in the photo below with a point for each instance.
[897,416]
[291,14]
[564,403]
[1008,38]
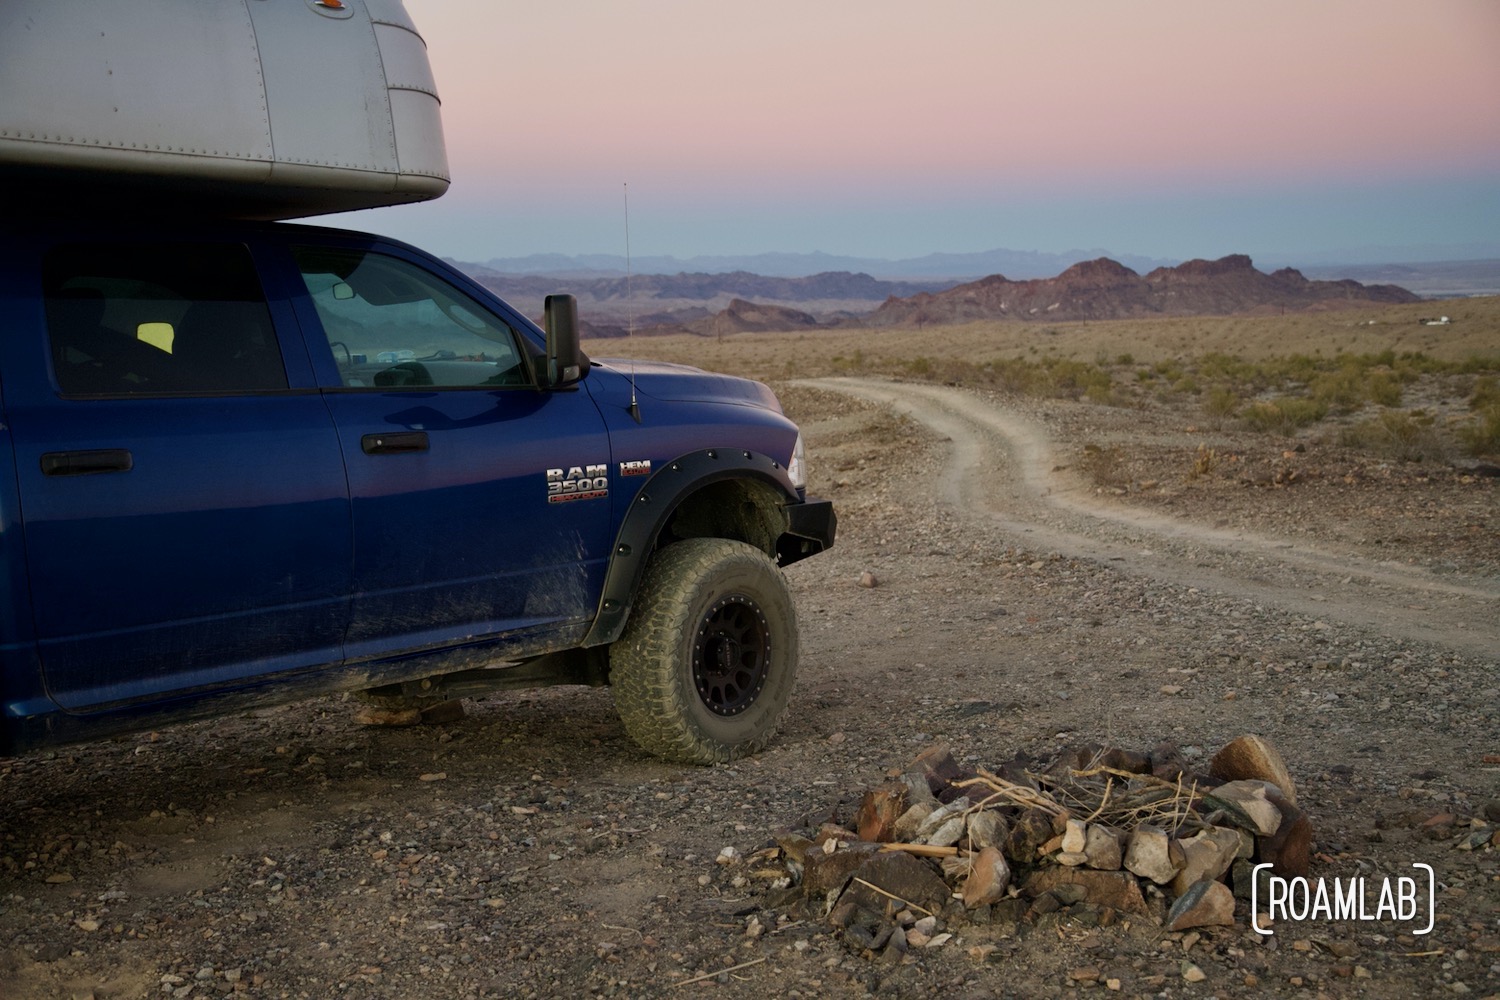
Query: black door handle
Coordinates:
[398,443]
[86,463]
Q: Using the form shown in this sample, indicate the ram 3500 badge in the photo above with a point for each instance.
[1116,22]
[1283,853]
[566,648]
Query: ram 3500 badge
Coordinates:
[579,482]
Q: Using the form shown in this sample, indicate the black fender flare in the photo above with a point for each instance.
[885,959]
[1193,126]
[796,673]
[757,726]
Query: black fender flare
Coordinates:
[653,507]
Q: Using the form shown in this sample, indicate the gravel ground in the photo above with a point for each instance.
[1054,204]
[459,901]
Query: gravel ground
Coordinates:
[530,849]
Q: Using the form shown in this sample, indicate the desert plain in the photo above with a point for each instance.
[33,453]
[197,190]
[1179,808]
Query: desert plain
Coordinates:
[1119,533]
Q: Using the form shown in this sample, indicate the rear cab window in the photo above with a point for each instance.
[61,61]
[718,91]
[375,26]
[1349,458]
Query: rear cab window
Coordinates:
[163,319]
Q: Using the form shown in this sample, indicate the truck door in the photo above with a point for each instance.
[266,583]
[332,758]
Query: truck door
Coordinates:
[185,510]
[480,501]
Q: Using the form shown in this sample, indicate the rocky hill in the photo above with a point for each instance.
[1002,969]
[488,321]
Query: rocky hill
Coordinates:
[949,267]
[740,302]
[740,316]
[750,317]
[677,299]
[1105,289]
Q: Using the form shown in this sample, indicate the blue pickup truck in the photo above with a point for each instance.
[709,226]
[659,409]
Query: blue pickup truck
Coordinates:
[249,462]
[245,462]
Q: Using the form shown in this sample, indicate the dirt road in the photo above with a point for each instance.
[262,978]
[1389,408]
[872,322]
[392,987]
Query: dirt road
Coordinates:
[1004,467]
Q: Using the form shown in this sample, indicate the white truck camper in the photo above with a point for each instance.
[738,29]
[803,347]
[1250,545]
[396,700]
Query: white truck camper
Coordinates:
[251,109]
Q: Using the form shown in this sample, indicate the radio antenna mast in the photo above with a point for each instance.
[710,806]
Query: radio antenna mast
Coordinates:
[635,410]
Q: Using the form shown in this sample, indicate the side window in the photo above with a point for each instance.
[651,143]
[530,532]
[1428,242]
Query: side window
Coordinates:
[133,319]
[391,324]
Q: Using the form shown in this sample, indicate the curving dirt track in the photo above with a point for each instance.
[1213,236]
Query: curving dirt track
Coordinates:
[1002,467]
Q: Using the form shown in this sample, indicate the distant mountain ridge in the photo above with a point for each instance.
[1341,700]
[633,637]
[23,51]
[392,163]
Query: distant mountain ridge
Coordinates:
[949,266]
[1102,288]
[703,286]
[1107,289]
[1429,279]
[671,299]
[1353,262]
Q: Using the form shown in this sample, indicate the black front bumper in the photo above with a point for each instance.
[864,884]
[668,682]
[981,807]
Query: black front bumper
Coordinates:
[811,526]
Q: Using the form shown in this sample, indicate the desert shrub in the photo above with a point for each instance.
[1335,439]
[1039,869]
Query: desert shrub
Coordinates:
[1225,367]
[855,362]
[1284,415]
[1383,388]
[919,366]
[1204,462]
[1125,359]
[1052,376]
[1398,436]
[1068,376]
[1294,367]
[1482,437]
[1360,379]
[1410,364]
[1103,395]
[1186,385]
[1418,363]
[1016,375]
[1219,404]
[1486,393]
[1342,390]
[1476,365]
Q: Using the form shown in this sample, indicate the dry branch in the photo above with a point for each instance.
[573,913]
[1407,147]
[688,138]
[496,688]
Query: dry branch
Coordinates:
[1123,800]
[717,973]
[891,895]
[923,850]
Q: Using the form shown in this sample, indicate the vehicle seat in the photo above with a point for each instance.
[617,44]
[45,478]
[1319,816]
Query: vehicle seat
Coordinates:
[227,346]
[88,357]
[405,373]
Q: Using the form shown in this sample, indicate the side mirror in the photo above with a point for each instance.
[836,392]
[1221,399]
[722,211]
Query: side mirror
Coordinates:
[566,362]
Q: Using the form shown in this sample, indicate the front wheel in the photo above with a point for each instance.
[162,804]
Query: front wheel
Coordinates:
[707,661]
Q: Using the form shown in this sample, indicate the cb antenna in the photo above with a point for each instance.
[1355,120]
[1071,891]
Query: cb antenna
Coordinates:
[635,410]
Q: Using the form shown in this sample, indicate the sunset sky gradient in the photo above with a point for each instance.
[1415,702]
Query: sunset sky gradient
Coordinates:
[894,129]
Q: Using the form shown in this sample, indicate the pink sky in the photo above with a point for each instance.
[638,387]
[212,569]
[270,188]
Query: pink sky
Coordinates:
[708,109]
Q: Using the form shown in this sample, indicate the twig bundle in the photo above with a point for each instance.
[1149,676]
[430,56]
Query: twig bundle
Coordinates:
[1121,799]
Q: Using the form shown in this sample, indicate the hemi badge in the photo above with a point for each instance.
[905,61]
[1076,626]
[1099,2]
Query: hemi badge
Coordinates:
[641,468]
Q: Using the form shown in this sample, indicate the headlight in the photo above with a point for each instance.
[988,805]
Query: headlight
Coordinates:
[797,467]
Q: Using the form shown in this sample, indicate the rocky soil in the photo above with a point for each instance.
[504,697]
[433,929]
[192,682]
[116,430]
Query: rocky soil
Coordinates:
[529,849]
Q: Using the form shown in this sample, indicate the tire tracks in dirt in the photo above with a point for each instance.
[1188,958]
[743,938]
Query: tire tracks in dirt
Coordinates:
[1002,471]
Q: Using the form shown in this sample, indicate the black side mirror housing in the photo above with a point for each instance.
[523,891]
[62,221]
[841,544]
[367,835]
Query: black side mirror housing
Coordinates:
[566,362]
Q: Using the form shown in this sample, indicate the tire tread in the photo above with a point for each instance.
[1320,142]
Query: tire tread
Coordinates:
[647,673]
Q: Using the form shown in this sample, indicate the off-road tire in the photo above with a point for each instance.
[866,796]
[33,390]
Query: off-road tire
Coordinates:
[708,659]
